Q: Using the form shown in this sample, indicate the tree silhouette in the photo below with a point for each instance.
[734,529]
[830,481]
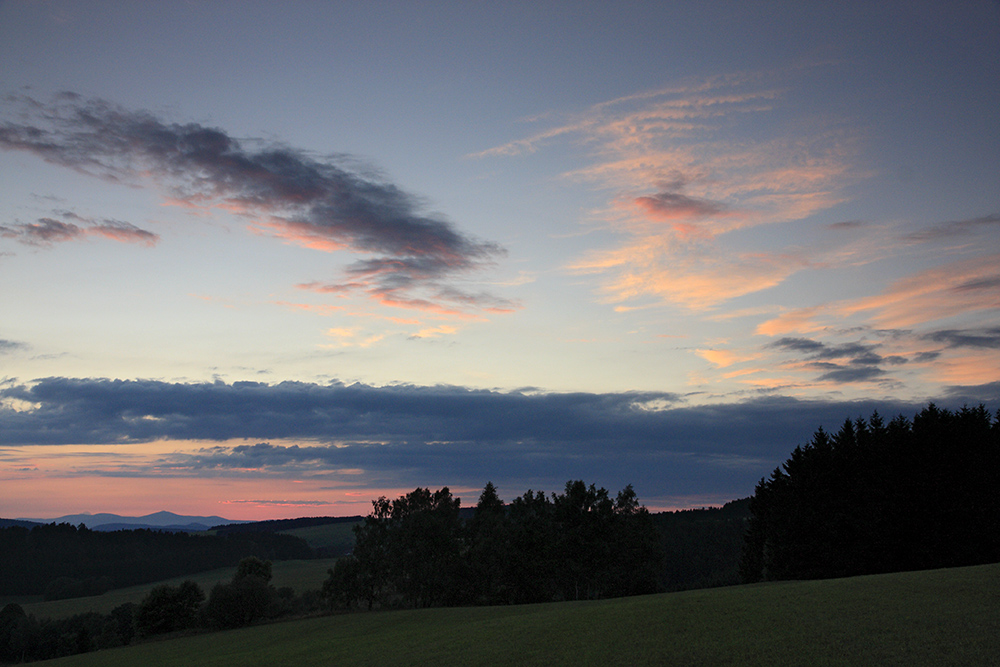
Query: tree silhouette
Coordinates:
[581,544]
[245,599]
[877,497]
[167,608]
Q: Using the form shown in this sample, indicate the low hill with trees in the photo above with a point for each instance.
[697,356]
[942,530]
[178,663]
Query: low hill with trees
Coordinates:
[61,560]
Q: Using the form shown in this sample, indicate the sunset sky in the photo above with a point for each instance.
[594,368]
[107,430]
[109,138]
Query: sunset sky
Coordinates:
[265,260]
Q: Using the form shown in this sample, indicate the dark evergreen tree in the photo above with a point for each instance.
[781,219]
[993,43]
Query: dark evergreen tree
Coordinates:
[489,552]
[879,498]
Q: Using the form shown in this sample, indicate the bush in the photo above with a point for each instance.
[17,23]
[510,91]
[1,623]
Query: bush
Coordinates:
[247,598]
[169,608]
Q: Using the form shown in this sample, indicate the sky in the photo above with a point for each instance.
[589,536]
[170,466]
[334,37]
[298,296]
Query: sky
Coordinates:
[264,260]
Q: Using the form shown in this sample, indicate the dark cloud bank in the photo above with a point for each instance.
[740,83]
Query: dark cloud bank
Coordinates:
[321,203]
[408,435]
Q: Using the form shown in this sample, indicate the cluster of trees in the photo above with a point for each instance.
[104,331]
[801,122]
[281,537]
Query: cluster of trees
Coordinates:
[24,638]
[247,598]
[416,551]
[877,497]
[61,561]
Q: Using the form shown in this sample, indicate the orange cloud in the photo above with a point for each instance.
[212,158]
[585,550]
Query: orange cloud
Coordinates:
[801,320]
[300,234]
[697,281]
[969,369]
[722,358]
[435,332]
[352,337]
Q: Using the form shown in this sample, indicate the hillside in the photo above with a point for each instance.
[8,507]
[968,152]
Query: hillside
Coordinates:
[299,575]
[939,617]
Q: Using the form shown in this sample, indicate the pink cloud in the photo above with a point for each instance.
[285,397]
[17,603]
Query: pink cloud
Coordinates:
[957,288]
[697,280]
[47,231]
[800,320]
[969,369]
[124,233]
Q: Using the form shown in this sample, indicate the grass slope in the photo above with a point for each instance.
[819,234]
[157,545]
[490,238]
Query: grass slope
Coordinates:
[940,617]
[300,575]
[338,538]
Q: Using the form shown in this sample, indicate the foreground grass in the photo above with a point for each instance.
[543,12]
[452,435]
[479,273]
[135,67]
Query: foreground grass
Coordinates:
[300,575]
[940,617]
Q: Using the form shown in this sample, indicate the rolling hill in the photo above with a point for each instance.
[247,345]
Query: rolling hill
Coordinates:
[938,617]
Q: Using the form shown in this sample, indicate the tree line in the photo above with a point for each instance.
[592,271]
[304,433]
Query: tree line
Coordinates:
[61,561]
[881,497]
[581,544]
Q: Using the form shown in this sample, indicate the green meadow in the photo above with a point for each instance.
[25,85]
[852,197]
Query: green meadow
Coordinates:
[938,617]
[336,536]
[300,575]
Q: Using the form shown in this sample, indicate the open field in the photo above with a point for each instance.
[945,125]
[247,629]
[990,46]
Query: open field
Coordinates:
[939,617]
[300,575]
[338,537]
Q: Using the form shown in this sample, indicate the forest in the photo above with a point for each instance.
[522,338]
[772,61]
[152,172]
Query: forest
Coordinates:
[61,561]
[880,497]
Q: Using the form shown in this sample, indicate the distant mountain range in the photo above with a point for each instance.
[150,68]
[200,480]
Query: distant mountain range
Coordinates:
[157,521]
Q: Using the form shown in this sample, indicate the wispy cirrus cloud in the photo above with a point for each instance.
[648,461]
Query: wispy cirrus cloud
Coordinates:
[682,174]
[955,228]
[9,346]
[279,503]
[326,204]
[695,277]
[956,288]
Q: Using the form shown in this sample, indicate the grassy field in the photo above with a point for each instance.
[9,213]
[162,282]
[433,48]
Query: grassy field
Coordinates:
[301,575]
[336,536]
[941,617]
